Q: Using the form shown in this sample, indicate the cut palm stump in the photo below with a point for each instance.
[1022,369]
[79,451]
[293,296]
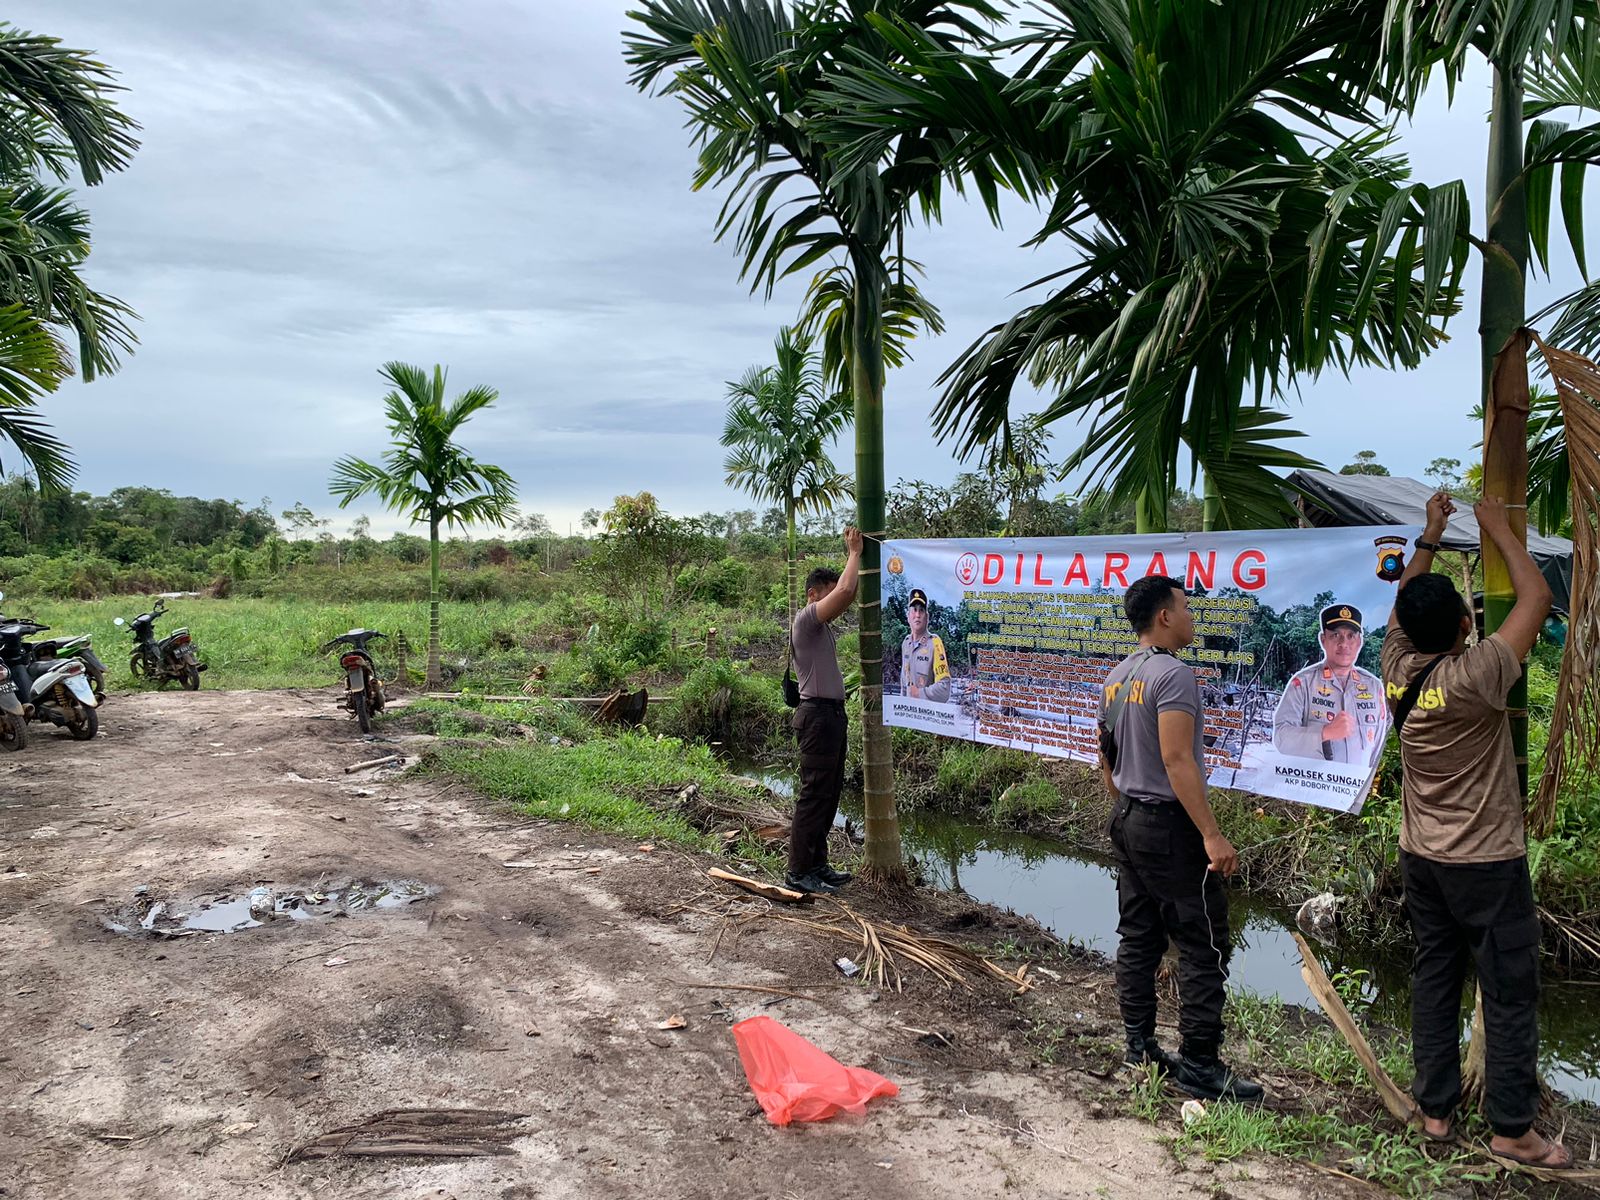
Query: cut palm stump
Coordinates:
[424,1132]
[769,891]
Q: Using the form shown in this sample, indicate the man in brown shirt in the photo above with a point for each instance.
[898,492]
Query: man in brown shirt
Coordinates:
[1463,857]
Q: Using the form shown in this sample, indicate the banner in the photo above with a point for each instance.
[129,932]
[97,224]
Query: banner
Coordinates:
[1006,641]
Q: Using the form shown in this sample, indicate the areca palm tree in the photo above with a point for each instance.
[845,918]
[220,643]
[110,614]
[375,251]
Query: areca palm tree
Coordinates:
[1200,185]
[1545,57]
[425,475]
[58,117]
[781,419]
[753,75]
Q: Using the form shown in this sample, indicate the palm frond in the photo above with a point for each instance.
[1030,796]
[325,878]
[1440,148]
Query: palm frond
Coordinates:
[56,94]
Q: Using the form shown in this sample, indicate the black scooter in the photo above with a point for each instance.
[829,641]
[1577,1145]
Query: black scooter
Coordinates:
[363,690]
[161,661]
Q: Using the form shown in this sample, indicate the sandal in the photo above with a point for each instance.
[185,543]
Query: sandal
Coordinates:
[1447,1137]
[1541,1161]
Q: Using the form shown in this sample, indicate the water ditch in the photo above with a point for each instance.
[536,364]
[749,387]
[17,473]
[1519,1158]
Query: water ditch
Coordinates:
[1073,894]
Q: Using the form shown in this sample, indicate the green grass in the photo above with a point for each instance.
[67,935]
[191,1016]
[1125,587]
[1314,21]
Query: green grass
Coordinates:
[621,784]
[1394,1160]
[274,643]
[1027,799]
[1266,1031]
[473,716]
[977,775]
[1269,1031]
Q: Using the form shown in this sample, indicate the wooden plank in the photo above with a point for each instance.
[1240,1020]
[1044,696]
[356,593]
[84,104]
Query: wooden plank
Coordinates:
[770,891]
[376,762]
[1399,1103]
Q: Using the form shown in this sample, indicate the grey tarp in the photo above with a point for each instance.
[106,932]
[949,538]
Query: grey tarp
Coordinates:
[1335,500]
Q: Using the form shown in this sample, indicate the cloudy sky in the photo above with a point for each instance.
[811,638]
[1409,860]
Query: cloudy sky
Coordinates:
[325,187]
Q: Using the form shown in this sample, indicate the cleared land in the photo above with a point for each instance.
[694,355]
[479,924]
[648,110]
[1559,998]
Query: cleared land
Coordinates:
[136,1065]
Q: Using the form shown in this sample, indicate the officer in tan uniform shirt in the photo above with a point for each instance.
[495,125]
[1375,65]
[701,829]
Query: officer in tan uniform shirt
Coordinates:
[1333,709]
[924,668]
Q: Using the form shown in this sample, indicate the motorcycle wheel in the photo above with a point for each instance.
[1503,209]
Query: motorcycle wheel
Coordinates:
[189,677]
[363,711]
[13,732]
[87,724]
[97,680]
[136,665]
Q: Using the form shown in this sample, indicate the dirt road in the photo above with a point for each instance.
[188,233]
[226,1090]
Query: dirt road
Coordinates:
[139,1065]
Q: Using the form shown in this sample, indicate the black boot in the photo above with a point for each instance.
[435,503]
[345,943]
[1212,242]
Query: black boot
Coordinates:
[1208,1077]
[837,878]
[1144,1050]
[810,883]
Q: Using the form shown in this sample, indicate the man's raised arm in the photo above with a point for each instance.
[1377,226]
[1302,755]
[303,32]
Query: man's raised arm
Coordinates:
[1520,629]
[1440,509]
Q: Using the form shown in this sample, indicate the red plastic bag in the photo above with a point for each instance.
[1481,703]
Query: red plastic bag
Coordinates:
[795,1081]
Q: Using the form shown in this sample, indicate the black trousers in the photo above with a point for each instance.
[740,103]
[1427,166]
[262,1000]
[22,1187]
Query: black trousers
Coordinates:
[1484,910]
[1166,894]
[819,728]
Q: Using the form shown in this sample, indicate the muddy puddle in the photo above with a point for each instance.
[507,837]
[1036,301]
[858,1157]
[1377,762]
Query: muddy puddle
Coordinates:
[251,908]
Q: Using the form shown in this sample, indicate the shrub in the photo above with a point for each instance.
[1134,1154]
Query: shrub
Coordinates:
[725,701]
[1027,799]
[724,582]
[975,775]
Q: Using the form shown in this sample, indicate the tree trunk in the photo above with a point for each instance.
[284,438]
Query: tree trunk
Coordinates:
[794,593]
[1150,511]
[884,862]
[435,679]
[1504,348]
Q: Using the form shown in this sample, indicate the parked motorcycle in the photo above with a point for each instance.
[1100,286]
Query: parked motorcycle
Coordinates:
[81,646]
[173,657]
[13,716]
[362,687]
[56,690]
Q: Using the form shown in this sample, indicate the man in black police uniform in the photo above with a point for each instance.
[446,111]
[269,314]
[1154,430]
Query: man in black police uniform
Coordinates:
[1171,855]
[1333,709]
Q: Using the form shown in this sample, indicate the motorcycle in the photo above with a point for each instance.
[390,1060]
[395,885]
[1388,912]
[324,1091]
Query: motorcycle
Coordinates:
[55,691]
[362,687]
[13,716]
[170,658]
[81,646]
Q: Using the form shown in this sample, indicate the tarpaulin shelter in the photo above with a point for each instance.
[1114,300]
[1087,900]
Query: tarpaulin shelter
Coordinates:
[1327,500]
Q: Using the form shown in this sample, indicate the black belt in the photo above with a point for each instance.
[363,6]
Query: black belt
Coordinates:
[1155,804]
[839,704]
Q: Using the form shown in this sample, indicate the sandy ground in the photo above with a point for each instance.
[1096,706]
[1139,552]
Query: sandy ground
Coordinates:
[135,1065]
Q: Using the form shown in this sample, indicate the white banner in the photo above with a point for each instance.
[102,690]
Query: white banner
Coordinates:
[1006,641]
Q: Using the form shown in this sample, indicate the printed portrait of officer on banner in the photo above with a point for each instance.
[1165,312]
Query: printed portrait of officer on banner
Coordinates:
[1333,709]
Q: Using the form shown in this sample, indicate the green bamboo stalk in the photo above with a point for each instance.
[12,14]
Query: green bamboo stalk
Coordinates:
[883,858]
